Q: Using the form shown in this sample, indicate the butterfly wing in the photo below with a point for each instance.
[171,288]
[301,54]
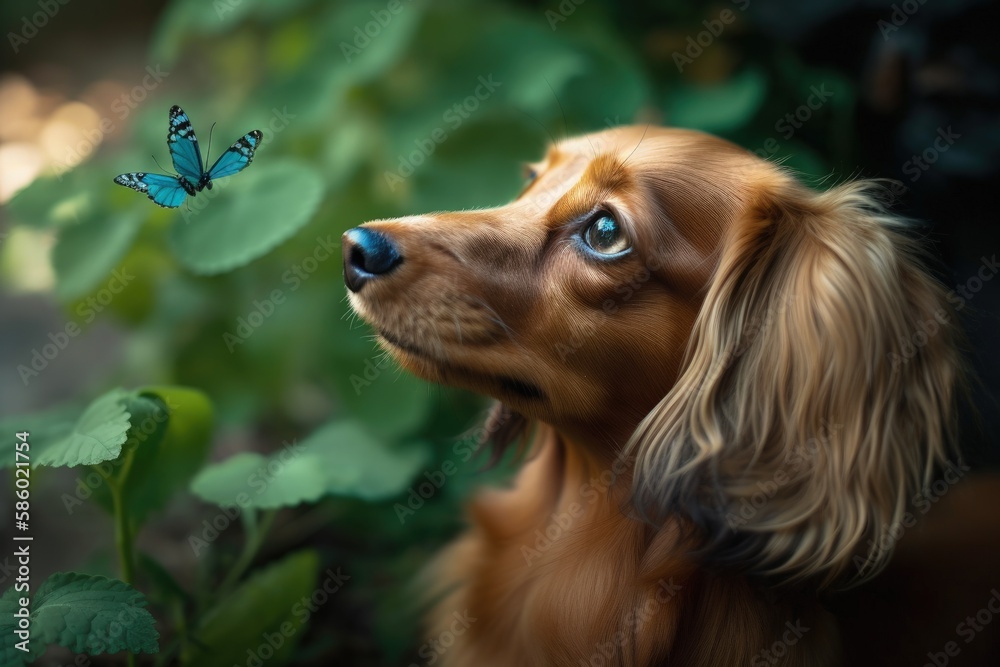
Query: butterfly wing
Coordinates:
[237,157]
[183,145]
[165,191]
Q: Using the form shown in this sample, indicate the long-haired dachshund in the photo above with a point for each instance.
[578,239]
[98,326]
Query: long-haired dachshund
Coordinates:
[728,386]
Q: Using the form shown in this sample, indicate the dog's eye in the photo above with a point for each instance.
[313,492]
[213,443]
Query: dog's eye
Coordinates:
[529,173]
[605,236]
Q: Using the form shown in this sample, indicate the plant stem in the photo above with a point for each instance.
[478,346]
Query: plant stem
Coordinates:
[123,527]
[123,530]
[256,531]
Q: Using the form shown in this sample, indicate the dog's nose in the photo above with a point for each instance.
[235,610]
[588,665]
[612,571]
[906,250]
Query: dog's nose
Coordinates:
[367,255]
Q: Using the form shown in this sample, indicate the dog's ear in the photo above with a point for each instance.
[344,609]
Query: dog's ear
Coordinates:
[817,392]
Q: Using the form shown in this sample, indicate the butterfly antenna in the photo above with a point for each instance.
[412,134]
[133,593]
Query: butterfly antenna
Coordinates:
[158,164]
[208,154]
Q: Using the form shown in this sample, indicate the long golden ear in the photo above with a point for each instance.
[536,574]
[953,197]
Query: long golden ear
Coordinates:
[817,394]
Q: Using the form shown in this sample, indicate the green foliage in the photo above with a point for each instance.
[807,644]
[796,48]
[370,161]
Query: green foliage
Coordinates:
[85,613]
[272,603]
[233,228]
[341,458]
[97,436]
[168,458]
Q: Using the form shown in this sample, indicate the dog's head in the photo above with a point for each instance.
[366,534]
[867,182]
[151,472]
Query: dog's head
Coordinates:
[574,303]
[745,335]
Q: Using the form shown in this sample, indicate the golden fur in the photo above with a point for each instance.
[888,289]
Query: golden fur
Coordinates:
[723,423]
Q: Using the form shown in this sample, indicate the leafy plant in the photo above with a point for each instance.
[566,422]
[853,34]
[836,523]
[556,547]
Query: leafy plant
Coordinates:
[84,613]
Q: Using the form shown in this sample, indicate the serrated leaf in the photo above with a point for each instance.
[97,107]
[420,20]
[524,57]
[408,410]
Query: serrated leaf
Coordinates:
[97,436]
[86,614]
[268,603]
[45,428]
[246,216]
[341,458]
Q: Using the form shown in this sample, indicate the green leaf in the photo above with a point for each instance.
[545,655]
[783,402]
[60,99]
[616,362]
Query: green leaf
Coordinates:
[45,428]
[10,656]
[244,480]
[341,458]
[267,604]
[362,465]
[97,436]
[86,614]
[87,252]
[243,218]
[167,458]
[718,108]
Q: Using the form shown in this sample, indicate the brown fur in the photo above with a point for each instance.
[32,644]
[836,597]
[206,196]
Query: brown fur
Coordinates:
[755,340]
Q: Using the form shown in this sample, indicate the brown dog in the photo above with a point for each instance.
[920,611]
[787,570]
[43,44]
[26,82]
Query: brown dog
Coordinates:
[732,387]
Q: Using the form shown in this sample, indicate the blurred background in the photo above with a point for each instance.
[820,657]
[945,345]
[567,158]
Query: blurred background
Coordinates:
[237,298]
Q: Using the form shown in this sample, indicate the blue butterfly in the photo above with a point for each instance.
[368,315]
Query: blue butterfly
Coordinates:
[170,191]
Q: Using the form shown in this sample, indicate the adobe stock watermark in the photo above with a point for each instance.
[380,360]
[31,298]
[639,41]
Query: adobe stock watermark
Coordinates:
[467,446]
[714,28]
[901,13]
[453,118]
[121,108]
[30,25]
[565,9]
[364,35]
[86,312]
[918,164]
[561,523]
[586,330]
[432,651]
[773,654]
[787,125]
[294,277]
[755,326]
[967,629]
[799,460]
[272,641]
[256,484]
[277,124]
[922,502]
[928,328]
[607,652]
[373,370]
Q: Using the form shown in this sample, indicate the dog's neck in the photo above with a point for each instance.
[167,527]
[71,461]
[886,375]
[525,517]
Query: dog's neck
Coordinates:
[518,573]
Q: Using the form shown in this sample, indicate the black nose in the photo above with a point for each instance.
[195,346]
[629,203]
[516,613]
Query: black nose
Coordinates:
[367,255]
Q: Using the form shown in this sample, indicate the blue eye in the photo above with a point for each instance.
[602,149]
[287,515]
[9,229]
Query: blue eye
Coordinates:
[605,236]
